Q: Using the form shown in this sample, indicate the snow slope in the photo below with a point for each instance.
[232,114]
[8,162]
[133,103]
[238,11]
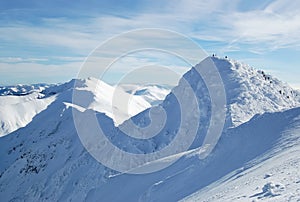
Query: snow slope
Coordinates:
[106,99]
[274,175]
[46,160]
[235,167]
[154,94]
[250,91]
[19,104]
[18,111]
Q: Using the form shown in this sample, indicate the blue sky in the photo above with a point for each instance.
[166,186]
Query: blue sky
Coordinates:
[47,41]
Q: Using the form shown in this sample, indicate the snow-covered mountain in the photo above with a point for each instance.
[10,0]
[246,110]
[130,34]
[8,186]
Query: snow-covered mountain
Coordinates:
[20,104]
[46,159]
[17,111]
[250,91]
[22,89]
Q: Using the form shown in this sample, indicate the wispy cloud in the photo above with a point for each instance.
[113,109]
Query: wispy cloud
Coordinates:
[276,26]
[37,73]
[21,60]
[217,25]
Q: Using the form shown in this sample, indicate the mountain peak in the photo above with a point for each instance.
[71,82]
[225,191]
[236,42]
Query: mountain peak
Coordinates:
[250,91]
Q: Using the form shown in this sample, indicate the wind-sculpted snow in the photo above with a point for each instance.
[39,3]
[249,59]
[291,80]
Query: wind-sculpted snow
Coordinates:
[259,146]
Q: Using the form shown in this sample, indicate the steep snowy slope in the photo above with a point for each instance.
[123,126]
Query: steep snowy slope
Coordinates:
[273,176]
[19,104]
[46,160]
[104,98]
[18,111]
[154,94]
[250,91]
[244,156]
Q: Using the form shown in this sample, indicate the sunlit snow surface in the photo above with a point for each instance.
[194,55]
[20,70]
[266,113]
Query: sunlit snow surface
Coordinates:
[19,104]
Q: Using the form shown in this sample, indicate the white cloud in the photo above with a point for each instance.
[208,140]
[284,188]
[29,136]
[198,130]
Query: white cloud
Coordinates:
[218,21]
[48,37]
[36,73]
[276,26]
[260,26]
[21,60]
